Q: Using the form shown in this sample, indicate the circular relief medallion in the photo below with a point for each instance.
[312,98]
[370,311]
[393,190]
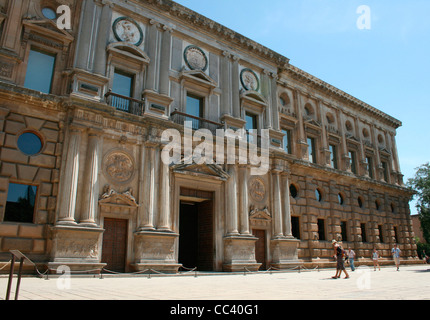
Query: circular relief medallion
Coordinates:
[257,189]
[195,58]
[127,30]
[119,167]
[249,80]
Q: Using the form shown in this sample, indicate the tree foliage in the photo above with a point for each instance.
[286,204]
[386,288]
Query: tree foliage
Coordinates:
[421,185]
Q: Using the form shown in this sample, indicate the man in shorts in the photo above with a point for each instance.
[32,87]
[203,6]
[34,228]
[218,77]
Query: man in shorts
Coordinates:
[396,255]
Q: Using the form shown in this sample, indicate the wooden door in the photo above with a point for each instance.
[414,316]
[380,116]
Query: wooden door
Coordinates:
[114,250]
[260,248]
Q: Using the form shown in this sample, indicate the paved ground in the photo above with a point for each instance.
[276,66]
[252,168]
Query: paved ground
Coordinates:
[411,282]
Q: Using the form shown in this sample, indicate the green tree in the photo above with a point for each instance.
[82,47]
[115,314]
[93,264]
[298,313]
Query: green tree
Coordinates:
[421,185]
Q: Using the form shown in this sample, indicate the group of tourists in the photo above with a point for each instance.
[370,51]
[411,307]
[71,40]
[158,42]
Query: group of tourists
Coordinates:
[342,255]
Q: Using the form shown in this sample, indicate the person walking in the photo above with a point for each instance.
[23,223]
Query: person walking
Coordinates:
[338,255]
[396,255]
[351,257]
[375,258]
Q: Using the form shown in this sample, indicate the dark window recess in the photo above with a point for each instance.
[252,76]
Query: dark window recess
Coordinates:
[21,200]
[295,227]
[321,229]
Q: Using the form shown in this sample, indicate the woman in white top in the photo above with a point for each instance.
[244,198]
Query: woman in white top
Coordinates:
[375,257]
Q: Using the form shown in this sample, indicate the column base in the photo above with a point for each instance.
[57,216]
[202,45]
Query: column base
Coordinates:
[239,254]
[155,251]
[76,247]
[285,253]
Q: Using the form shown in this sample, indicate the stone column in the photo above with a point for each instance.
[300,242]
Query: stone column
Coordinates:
[273,105]
[67,199]
[152,44]
[265,90]
[103,38]
[344,149]
[286,205]
[225,84]
[84,49]
[243,208]
[164,198]
[231,194]
[91,192]
[325,145]
[235,87]
[147,188]
[277,206]
[302,141]
[166,48]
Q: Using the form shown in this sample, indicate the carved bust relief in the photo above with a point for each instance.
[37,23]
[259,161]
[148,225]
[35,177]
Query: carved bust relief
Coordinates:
[195,58]
[249,80]
[127,30]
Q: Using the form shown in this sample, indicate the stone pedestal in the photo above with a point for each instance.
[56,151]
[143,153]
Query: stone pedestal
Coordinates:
[155,250]
[284,253]
[239,254]
[77,247]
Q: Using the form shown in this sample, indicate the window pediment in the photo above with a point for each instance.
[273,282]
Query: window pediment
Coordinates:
[128,50]
[198,77]
[47,32]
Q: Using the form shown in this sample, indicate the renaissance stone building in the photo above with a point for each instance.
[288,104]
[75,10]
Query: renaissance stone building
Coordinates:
[82,113]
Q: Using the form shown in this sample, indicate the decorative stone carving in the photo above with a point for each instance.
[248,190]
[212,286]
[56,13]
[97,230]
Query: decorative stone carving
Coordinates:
[257,189]
[195,58]
[118,167]
[127,30]
[249,80]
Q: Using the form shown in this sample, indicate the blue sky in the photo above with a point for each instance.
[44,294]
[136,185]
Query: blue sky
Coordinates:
[387,66]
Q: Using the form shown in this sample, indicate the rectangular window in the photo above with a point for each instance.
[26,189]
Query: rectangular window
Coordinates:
[194,108]
[363,232]
[40,71]
[343,231]
[321,229]
[122,85]
[251,126]
[369,162]
[295,227]
[21,200]
[385,170]
[353,160]
[381,235]
[287,141]
[396,235]
[333,156]
[311,150]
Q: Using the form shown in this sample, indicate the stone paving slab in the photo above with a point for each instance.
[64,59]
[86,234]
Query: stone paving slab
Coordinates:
[410,283]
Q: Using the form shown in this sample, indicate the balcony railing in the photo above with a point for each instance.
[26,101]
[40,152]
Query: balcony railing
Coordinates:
[125,104]
[195,122]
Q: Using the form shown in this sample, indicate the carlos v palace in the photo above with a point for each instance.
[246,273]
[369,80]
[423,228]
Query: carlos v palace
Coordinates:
[83,108]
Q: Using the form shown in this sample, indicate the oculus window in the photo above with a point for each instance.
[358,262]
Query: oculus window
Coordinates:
[29,143]
[40,71]
[21,200]
[49,13]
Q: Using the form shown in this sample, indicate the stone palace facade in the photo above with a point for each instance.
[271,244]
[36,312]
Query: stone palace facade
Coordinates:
[82,113]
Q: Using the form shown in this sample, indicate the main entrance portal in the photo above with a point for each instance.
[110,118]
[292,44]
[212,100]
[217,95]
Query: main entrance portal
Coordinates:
[196,230]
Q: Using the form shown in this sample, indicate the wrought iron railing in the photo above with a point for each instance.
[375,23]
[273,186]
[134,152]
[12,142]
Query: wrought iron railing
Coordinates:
[194,122]
[125,104]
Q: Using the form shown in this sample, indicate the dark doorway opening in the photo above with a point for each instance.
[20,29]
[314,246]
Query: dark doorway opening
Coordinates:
[114,249]
[260,248]
[196,233]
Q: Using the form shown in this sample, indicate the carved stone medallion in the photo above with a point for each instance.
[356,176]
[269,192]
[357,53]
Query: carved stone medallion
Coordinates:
[249,80]
[118,167]
[257,189]
[195,58]
[127,30]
